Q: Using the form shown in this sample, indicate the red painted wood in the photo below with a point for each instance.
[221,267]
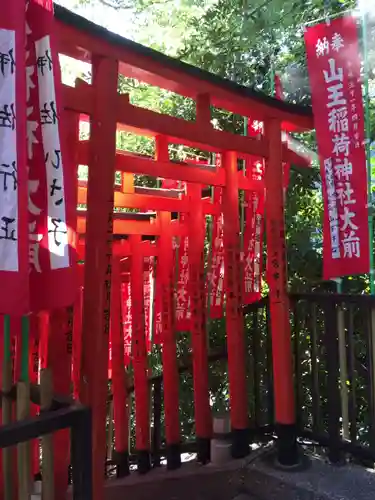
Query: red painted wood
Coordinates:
[150,70]
[196,222]
[133,227]
[277,279]
[203,109]
[59,361]
[137,164]
[146,122]
[179,131]
[77,341]
[33,377]
[233,287]
[119,390]
[96,300]
[165,276]
[139,350]
[122,249]
[148,202]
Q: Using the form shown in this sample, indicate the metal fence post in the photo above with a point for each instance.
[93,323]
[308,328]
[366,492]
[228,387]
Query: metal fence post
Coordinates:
[81,451]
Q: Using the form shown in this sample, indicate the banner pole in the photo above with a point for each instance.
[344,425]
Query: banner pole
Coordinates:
[369,178]
[368,152]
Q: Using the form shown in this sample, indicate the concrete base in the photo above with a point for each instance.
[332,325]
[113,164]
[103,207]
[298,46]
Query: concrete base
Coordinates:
[220,451]
[253,478]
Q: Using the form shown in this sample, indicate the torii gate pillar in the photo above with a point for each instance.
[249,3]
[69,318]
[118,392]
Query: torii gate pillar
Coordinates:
[279,301]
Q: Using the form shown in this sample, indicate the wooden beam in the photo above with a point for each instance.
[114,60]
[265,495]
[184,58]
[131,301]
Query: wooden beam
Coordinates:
[147,122]
[121,249]
[126,227]
[158,71]
[147,202]
[134,119]
[127,162]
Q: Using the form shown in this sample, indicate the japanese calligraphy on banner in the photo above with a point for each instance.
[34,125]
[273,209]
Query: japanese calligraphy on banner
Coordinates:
[216,281]
[182,299]
[252,253]
[126,306]
[50,188]
[158,324]
[253,247]
[334,70]
[148,295]
[14,278]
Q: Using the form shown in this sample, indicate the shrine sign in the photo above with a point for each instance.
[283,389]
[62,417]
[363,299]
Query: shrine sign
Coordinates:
[334,70]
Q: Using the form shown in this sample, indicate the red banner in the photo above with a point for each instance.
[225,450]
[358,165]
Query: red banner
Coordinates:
[51,181]
[182,296]
[127,318]
[216,276]
[148,289]
[14,273]
[148,298]
[253,244]
[158,324]
[253,230]
[334,70]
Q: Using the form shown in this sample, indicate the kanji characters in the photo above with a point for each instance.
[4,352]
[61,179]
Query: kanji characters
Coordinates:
[351,244]
[345,194]
[48,114]
[44,62]
[347,217]
[337,42]
[8,229]
[8,116]
[54,158]
[334,75]
[56,188]
[59,228]
[343,169]
[341,143]
[9,171]
[338,120]
[336,96]
[322,47]
[7,62]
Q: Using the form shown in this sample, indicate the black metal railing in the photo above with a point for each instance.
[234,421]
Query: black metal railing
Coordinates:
[62,415]
[333,356]
[333,352]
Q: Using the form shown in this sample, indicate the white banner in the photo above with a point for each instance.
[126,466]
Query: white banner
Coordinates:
[8,155]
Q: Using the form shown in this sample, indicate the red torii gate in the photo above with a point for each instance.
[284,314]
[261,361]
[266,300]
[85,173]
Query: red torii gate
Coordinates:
[109,111]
